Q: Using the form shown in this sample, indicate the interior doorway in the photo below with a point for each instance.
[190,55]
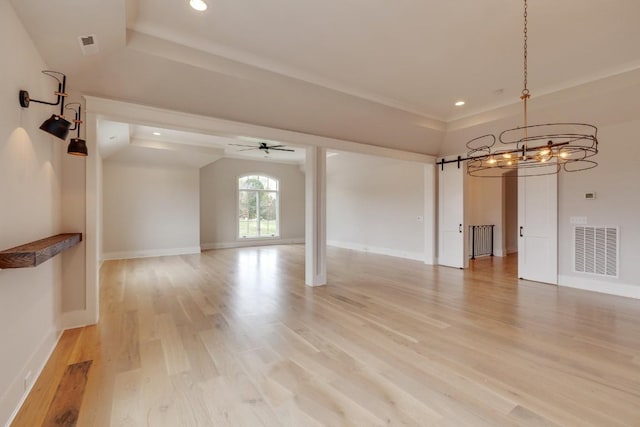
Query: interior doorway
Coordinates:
[493,223]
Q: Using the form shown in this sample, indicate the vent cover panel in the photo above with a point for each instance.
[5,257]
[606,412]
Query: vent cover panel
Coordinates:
[595,250]
[88,44]
[87,41]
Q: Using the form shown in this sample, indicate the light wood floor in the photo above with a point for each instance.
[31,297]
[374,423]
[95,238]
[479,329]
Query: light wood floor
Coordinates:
[234,338]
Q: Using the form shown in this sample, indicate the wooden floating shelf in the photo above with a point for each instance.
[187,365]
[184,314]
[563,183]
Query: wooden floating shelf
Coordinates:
[35,253]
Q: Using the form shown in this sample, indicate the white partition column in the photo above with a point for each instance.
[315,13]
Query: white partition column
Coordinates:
[430,229]
[316,216]
[92,226]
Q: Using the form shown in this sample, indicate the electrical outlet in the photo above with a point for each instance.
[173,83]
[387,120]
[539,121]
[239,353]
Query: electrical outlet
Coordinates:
[27,380]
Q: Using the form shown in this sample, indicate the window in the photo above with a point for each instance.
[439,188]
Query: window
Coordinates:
[258,207]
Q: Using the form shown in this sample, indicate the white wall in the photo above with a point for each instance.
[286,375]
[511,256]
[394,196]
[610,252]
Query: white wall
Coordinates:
[486,198]
[100,206]
[373,204]
[149,210]
[30,194]
[73,220]
[615,182]
[511,212]
[218,202]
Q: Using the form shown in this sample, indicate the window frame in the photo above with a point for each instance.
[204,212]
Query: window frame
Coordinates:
[239,237]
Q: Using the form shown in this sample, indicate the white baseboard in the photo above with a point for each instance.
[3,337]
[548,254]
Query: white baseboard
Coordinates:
[417,256]
[36,364]
[148,253]
[601,286]
[76,319]
[249,243]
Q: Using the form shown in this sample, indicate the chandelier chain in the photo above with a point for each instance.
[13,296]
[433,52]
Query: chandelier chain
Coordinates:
[525,90]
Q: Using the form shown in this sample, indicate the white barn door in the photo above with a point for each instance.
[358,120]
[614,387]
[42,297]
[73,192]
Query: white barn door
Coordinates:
[538,228]
[451,226]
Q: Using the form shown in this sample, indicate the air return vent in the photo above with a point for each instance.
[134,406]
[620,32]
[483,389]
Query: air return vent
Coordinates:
[596,250]
[88,44]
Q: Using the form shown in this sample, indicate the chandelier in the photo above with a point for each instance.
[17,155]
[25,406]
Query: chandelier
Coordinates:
[541,149]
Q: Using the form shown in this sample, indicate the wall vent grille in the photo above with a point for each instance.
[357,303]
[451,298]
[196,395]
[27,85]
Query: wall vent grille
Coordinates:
[595,250]
[88,44]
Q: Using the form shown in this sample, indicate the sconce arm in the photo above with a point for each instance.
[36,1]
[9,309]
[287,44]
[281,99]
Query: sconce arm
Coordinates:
[25,99]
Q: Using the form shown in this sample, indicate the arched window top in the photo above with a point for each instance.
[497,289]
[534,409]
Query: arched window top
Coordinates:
[257,182]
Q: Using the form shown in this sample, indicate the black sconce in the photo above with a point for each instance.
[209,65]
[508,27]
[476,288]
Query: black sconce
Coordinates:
[77,146]
[57,125]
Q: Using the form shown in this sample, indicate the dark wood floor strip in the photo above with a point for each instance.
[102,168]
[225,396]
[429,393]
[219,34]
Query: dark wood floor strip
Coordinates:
[67,401]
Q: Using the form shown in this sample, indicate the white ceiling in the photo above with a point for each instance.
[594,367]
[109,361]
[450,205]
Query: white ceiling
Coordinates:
[373,71]
[421,56]
[123,142]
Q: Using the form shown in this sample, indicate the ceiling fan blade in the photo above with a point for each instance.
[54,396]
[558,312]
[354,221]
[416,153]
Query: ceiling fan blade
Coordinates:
[244,145]
[263,146]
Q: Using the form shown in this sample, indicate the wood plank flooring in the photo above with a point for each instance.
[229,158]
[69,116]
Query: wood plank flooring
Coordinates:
[234,338]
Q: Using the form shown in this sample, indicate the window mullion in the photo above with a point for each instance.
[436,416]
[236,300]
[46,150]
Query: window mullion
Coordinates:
[258,213]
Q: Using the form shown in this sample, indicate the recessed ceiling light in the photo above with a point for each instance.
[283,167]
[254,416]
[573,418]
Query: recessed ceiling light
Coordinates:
[157,133]
[198,5]
[459,103]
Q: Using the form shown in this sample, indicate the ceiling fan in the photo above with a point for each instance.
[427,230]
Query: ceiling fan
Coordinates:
[263,146]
